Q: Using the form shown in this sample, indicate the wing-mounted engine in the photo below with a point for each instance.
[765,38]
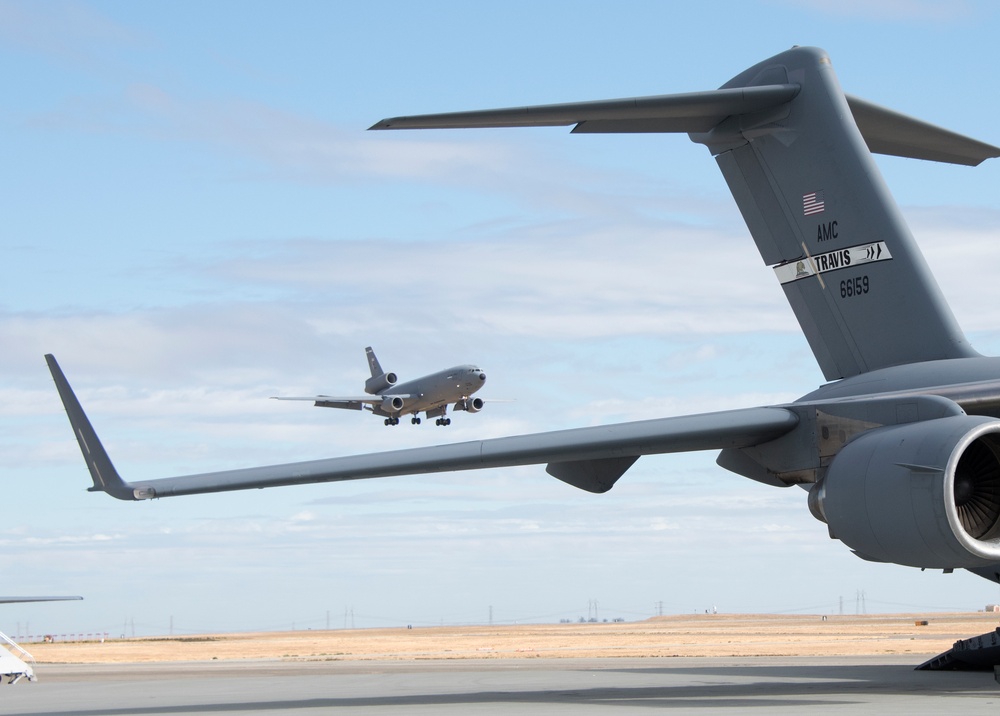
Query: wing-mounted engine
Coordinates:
[380,382]
[391,404]
[472,405]
[924,494]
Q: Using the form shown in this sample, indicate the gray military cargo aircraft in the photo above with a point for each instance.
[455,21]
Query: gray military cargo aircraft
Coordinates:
[899,452]
[430,394]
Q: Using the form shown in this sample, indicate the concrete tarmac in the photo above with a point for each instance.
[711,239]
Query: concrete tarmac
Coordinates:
[762,685]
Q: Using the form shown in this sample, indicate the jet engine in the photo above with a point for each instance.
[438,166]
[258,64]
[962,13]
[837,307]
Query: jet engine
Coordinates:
[379,382]
[392,404]
[924,494]
[473,405]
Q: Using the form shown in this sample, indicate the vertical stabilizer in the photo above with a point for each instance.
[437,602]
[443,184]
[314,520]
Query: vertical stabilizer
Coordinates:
[821,216]
[373,363]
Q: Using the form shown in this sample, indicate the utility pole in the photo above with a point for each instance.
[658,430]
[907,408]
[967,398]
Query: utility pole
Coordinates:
[491,615]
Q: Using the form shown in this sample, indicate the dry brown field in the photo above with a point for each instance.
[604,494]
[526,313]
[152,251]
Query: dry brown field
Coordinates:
[689,636]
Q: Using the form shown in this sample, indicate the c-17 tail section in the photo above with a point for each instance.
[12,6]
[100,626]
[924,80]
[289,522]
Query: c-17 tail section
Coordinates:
[793,150]
[822,217]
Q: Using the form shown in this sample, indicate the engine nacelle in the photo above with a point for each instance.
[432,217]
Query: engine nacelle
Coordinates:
[923,494]
[392,404]
[380,382]
[473,405]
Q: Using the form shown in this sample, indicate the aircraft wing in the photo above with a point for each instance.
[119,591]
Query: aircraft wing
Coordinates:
[329,401]
[591,458]
[16,600]
[347,403]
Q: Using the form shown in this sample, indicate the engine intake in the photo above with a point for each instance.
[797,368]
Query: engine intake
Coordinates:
[923,494]
[392,404]
[380,382]
[473,405]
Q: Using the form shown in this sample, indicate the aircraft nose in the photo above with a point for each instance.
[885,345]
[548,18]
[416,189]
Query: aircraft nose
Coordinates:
[482,376]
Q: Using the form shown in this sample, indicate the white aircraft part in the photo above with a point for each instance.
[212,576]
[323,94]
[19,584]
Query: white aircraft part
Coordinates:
[12,665]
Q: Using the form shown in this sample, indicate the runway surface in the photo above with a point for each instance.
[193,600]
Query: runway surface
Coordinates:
[765,685]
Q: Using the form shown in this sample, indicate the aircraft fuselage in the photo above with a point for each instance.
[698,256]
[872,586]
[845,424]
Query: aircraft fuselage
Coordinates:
[430,393]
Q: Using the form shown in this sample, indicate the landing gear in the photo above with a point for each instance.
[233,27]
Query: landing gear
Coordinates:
[443,421]
[415,420]
[392,421]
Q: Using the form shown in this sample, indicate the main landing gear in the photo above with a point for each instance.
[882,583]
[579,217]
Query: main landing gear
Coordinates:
[416,421]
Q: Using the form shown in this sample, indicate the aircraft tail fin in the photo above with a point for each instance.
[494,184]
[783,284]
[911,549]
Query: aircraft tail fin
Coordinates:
[373,363]
[796,153]
[821,216]
[102,471]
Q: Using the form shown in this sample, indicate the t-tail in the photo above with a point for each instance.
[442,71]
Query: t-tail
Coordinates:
[822,217]
[796,153]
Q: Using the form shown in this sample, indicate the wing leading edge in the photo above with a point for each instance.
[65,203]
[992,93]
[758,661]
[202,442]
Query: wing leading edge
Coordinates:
[590,458]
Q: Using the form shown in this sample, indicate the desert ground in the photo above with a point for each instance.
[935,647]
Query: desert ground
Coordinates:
[706,635]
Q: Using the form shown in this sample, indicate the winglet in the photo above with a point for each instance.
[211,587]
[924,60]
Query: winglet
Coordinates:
[106,478]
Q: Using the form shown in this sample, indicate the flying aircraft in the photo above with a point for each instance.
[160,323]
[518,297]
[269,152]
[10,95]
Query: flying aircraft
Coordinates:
[12,665]
[899,452]
[430,394]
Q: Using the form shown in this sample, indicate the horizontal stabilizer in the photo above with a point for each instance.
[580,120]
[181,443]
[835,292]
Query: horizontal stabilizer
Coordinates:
[884,131]
[690,112]
[889,132]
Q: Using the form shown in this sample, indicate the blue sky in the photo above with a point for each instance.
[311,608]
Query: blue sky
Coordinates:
[195,219]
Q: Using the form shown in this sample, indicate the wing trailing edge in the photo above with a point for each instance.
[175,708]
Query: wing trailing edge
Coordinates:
[590,458]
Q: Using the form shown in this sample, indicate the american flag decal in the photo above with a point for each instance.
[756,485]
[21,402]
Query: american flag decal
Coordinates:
[813,203]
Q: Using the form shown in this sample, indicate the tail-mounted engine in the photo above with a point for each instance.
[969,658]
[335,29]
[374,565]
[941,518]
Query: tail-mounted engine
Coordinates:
[924,494]
[380,382]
